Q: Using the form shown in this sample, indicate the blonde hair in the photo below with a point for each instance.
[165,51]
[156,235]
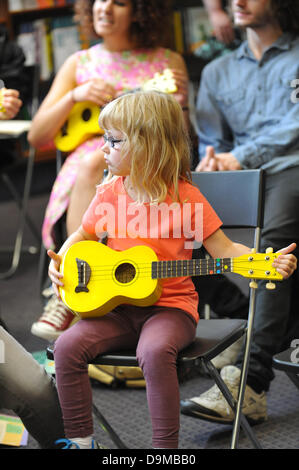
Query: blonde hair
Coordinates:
[156,137]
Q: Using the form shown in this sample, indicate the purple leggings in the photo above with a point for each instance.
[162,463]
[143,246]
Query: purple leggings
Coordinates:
[159,333]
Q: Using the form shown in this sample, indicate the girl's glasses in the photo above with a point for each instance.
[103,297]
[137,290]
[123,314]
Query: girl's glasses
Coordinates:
[111,141]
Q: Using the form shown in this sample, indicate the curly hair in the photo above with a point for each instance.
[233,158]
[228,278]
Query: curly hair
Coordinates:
[287,14]
[149,29]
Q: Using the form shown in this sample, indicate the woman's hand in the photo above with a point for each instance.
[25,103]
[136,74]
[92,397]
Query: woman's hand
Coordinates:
[286,263]
[96,90]
[53,271]
[10,103]
[181,81]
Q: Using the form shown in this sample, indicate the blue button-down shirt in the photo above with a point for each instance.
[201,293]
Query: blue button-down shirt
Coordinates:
[250,107]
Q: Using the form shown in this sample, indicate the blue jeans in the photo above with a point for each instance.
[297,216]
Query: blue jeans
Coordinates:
[26,389]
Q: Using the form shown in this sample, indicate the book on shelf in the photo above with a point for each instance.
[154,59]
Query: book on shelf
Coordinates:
[15,5]
[26,39]
[178,31]
[65,40]
[48,42]
[43,44]
[19,5]
[197,27]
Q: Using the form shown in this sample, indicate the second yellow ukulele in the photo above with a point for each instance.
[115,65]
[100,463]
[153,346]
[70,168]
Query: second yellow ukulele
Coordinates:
[83,120]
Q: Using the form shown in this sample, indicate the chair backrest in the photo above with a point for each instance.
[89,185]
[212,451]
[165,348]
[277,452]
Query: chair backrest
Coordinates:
[236,196]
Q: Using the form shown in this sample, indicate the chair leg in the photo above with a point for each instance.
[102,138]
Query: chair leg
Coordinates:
[108,428]
[243,379]
[19,203]
[294,378]
[23,205]
[42,268]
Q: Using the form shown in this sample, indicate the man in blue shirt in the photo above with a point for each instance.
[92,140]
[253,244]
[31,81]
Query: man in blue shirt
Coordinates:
[248,117]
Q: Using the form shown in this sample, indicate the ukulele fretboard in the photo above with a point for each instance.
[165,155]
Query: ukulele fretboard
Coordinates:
[192,267]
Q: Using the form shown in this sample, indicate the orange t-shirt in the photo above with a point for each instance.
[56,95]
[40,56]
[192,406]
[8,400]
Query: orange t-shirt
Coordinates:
[169,228]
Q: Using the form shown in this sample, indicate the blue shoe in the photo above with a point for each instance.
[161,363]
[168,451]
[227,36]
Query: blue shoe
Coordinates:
[68,444]
[73,445]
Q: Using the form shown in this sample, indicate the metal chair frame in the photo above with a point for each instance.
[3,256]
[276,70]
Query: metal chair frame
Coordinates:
[22,201]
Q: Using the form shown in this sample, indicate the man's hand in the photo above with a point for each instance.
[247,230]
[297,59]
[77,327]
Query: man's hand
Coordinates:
[218,161]
[227,162]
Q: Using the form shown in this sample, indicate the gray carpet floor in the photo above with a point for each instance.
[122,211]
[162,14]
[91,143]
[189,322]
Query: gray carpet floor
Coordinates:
[126,409]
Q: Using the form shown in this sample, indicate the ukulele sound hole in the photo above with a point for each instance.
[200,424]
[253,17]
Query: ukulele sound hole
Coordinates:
[86,115]
[64,129]
[125,273]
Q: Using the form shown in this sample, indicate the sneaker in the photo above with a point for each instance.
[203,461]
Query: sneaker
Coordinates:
[229,356]
[68,444]
[55,319]
[212,406]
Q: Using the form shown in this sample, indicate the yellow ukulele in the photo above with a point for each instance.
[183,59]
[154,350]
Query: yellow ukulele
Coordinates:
[97,279]
[83,120]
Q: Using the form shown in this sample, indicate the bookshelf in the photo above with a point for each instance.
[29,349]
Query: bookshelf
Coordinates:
[42,21]
[38,26]
[12,14]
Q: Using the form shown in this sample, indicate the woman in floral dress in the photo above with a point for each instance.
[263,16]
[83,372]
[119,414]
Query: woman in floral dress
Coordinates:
[128,55]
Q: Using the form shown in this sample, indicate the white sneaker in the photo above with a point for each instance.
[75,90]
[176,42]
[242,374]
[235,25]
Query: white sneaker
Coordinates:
[212,406]
[229,356]
[55,319]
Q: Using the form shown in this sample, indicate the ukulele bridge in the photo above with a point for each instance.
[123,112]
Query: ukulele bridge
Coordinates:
[84,272]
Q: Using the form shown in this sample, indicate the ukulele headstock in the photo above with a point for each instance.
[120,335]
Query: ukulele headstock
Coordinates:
[258,266]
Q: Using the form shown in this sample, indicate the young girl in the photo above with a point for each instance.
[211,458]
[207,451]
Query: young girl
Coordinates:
[147,154]
[130,53]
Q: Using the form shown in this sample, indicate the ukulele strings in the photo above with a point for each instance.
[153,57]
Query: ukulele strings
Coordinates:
[144,270]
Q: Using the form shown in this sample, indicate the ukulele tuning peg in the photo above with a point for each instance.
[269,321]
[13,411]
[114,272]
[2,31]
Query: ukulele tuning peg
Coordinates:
[269,250]
[253,285]
[270,285]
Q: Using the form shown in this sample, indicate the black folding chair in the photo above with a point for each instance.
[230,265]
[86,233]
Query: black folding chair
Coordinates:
[18,134]
[288,362]
[237,197]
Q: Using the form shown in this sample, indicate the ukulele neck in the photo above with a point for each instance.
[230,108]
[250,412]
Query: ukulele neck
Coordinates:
[192,267]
